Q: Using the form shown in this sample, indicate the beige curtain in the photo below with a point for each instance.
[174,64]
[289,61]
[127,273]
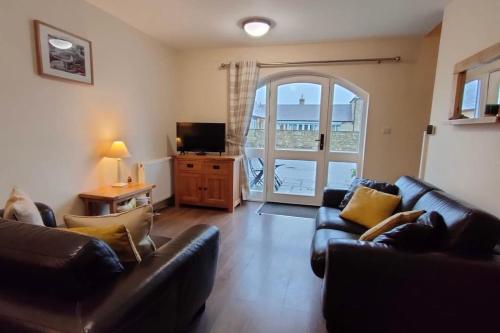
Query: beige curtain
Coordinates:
[243,76]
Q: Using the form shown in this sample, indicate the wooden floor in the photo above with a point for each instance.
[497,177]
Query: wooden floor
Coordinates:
[264,281]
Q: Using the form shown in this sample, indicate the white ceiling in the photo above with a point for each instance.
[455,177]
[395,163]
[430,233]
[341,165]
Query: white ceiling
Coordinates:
[214,23]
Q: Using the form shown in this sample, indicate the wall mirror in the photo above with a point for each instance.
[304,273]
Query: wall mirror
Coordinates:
[477,88]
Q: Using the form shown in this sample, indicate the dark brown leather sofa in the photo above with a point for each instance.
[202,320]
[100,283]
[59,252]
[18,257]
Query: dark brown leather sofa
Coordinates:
[373,287]
[56,281]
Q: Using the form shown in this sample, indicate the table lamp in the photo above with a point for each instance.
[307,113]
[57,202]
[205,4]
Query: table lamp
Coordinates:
[118,150]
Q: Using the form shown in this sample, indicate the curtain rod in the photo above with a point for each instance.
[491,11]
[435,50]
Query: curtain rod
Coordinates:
[320,62]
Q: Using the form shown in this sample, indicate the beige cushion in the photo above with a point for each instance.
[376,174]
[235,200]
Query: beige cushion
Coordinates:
[20,207]
[116,236]
[390,223]
[138,222]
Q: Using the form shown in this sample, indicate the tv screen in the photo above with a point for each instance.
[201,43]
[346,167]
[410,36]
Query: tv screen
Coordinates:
[201,137]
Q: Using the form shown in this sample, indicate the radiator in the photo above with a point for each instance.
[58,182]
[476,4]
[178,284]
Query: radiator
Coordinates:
[158,172]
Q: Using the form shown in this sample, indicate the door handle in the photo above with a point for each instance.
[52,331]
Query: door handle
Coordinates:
[321,141]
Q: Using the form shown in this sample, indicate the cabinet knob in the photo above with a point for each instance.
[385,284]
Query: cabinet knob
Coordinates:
[205,188]
[216,167]
[189,165]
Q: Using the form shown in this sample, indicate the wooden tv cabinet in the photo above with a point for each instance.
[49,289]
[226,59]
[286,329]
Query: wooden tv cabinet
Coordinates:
[211,181]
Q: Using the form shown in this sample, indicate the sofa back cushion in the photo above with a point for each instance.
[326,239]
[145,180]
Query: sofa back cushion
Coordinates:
[470,230]
[46,259]
[373,184]
[410,190]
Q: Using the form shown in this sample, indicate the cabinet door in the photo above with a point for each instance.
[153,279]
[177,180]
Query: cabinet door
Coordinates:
[216,191]
[189,188]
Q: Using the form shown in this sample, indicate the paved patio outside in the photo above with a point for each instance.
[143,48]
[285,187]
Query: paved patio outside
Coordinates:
[298,177]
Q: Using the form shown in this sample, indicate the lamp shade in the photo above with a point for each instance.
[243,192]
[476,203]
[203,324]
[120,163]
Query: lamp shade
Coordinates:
[118,149]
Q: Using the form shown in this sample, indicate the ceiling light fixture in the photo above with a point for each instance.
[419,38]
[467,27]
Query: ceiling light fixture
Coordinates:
[257,26]
[60,43]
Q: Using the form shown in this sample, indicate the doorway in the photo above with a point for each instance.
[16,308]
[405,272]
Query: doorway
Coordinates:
[306,132]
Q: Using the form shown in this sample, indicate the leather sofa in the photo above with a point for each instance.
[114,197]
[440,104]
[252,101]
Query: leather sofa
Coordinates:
[56,281]
[369,286]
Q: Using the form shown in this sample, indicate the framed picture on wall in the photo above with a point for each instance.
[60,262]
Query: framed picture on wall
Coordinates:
[63,55]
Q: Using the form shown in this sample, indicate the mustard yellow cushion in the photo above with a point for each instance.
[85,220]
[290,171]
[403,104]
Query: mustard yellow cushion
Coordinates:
[369,207]
[116,236]
[390,223]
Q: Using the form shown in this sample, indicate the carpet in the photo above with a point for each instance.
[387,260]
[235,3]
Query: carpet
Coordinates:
[272,208]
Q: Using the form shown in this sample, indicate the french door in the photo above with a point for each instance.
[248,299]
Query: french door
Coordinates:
[307,132]
[298,125]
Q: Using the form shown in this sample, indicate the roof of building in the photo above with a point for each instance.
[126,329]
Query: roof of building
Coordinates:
[306,112]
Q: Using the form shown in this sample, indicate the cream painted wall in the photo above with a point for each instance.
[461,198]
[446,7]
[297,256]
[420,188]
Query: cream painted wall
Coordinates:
[52,133]
[400,94]
[464,160]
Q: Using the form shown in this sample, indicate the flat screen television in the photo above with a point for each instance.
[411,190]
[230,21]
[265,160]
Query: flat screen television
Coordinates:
[201,137]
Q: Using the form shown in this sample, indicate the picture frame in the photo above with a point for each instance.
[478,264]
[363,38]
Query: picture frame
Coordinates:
[62,55]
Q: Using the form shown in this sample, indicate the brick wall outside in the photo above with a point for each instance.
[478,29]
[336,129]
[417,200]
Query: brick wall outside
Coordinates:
[346,141]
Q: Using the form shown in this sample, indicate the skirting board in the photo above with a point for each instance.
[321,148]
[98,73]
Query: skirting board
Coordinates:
[166,203]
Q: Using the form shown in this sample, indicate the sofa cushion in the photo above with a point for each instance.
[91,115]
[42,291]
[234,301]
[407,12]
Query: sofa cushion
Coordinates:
[410,190]
[373,184]
[21,208]
[116,236]
[138,221]
[319,247]
[470,230]
[369,207]
[329,218]
[426,234]
[390,223]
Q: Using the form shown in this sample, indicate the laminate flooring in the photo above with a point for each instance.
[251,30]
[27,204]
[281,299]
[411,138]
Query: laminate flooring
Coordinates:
[264,281]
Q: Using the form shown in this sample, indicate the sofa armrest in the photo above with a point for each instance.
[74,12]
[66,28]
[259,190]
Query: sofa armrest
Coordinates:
[173,282]
[332,197]
[48,217]
[367,283]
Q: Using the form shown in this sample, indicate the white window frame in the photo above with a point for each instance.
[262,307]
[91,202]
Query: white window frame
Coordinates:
[352,157]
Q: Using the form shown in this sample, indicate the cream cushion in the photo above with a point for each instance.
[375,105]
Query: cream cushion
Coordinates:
[138,222]
[116,236]
[20,207]
[390,223]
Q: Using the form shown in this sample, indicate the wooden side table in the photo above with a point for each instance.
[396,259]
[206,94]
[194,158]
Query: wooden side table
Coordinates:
[113,196]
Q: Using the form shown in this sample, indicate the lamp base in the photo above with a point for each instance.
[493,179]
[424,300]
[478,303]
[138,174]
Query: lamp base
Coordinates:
[119,184]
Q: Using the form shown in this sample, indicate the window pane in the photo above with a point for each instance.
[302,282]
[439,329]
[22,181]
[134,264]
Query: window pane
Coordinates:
[347,114]
[341,174]
[493,96]
[256,140]
[471,98]
[255,167]
[256,131]
[297,116]
[295,177]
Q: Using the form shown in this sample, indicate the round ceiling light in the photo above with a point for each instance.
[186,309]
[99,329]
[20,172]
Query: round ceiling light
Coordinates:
[257,26]
[60,43]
